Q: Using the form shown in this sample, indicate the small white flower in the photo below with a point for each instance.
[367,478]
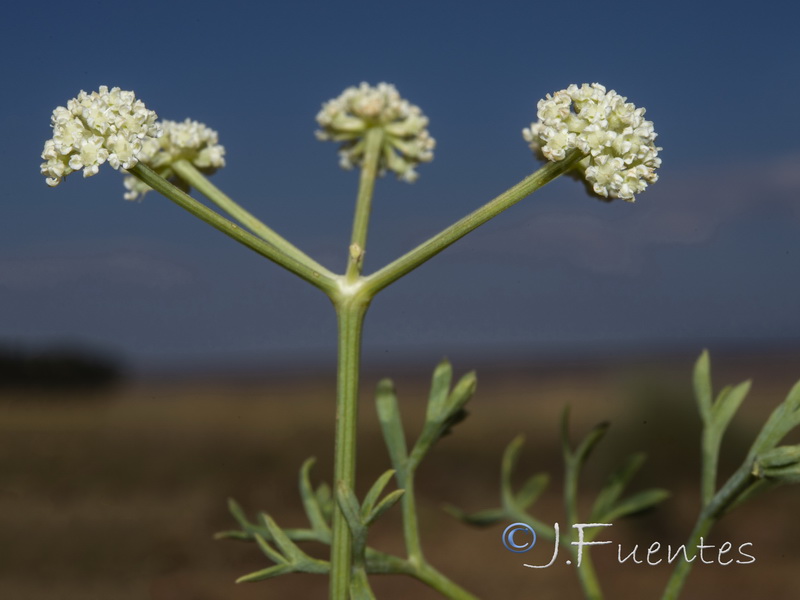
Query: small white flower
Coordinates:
[187,140]
[104,126]
[347,118]
[89,155]
[619,144]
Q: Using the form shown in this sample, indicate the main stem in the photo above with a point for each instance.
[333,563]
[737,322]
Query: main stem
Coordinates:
[351,302]
[350,313]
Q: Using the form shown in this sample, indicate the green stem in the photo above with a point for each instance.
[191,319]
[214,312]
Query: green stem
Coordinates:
[410,522]
[708,477]
[586,572]
[427,250]
[380,563]
[683,567]
[434,579]
[320,279]
[361,590]
[350,310]
[373,141]
[351,305]
[587,575]
[187,171]
[740,481]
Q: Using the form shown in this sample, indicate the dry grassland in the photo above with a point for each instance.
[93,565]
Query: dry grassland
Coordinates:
[115,496]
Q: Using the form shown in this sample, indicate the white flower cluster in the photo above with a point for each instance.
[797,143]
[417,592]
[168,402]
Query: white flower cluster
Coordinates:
[188,140]
[621,155]
[406,140]
[104,126]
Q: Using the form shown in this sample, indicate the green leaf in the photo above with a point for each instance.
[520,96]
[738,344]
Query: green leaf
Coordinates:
[782,420]
[702,386]
[793,399]
[588,444]
[311,501]
[288,553]
[461,394]
[444,410]
[780,465]
[726,405]
[615,485]
[325,501]
[391,423]
[792,413]
[440,388]
[757,487]
[531,490]
[453,420]
[267,573]
[238,514]
[788,474]
[636,503]
[352,513]
[375,491]
[388,502]
[509,463]
[269,551]
[287,547]
[779,457]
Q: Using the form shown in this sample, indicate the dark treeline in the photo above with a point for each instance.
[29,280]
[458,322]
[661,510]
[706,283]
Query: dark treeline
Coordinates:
[56,368]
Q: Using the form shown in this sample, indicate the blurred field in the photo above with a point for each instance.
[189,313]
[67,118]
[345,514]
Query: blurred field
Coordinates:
[116,495]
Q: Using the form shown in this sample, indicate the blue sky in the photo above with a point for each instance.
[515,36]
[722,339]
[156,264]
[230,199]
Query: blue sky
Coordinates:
[708,256]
